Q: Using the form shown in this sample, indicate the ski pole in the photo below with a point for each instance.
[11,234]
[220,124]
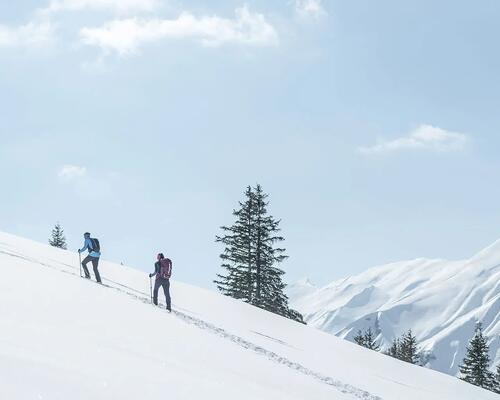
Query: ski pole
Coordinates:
[151,290]
[80,258]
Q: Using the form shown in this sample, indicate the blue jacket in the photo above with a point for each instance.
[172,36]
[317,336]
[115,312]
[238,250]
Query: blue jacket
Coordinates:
[88,245]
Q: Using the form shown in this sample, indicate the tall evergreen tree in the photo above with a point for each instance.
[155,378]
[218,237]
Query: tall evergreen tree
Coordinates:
[238,255]
[269,285]
[57,238]
[475,367]
[251,257]
[409,348]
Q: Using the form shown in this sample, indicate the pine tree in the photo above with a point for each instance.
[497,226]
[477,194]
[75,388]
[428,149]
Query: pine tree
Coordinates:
[250,257]
[369,340]
[238,255]
[409,348]
[359,338]
[394,350]
[405,348]
[475,367]
[269,286]
[57,238]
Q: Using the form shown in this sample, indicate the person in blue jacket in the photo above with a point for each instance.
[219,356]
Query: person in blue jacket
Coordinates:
[94,249]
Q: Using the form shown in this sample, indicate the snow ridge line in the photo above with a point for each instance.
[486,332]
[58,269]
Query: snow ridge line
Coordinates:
[201,324]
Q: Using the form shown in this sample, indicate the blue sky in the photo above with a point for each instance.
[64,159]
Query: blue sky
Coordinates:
[374,127]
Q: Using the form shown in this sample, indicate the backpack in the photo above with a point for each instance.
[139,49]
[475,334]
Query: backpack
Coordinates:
[95,245]
[165,268]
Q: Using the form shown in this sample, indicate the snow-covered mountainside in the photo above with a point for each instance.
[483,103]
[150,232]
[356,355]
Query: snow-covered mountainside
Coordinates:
[63,337]
[441,301]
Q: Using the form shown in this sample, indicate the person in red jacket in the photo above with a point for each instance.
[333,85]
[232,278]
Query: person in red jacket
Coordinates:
[163,271]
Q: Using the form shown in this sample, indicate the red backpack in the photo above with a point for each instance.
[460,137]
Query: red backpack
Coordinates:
[165,268]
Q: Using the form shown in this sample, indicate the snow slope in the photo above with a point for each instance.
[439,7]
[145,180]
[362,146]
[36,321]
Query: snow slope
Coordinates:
[439,300]
[63,337]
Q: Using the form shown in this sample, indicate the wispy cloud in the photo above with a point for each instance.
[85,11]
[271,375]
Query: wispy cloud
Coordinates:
[120,6]
[125,36]
[93,187]
[425,137]
[310,8]
[28,35]
[69,173]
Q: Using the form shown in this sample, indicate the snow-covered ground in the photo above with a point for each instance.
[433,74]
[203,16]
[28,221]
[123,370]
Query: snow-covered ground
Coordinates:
[63,337]
[441,301]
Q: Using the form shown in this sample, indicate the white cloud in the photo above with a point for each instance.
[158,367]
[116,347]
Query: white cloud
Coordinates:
[71,172]
[310,8]
[30,34]
[125,36]
[425,137]
[83,184]
[120,6]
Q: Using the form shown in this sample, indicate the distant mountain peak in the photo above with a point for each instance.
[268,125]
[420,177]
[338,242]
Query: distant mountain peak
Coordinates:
[439,300]
[305,281]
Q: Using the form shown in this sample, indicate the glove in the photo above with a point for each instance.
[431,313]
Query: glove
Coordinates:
[79,251]
[151,275]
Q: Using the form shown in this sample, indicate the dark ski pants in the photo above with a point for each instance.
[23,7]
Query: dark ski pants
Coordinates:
[95,263]
[165,284]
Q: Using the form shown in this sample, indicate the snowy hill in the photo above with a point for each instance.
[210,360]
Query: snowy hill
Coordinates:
[63,337]
[439,300]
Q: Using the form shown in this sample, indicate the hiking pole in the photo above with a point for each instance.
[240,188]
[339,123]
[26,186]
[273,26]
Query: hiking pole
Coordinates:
[151,290]
[80,258]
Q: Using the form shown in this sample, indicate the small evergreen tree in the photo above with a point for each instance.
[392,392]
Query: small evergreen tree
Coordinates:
[359,338]
[370,341]
[405,348]
[409,348]
[394,350]
[57,238]
[475,367]
[367,339]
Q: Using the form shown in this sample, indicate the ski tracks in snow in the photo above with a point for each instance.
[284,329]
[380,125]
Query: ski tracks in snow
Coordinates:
[201,324]
[340,386]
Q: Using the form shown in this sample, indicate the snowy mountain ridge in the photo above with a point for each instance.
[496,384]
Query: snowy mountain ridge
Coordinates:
[440,300]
